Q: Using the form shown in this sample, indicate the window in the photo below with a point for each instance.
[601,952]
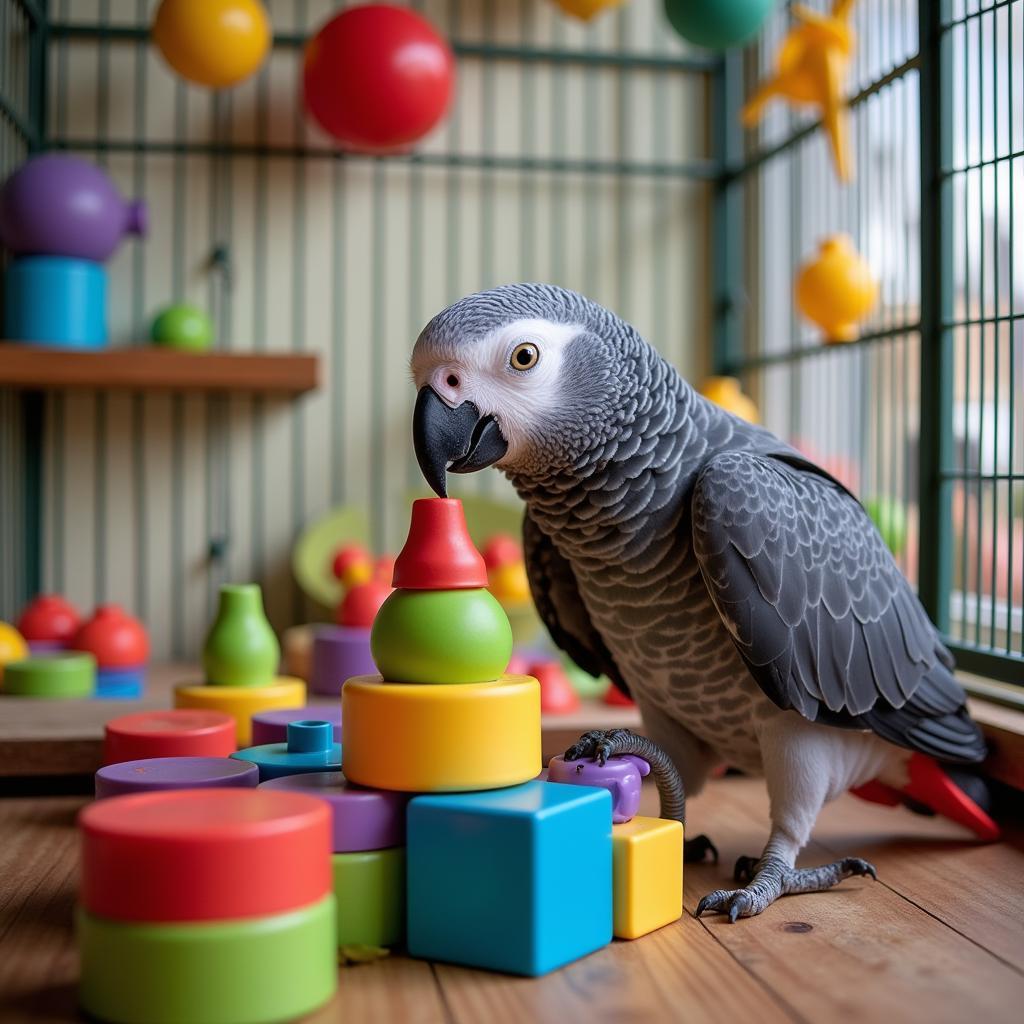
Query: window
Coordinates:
[923,416]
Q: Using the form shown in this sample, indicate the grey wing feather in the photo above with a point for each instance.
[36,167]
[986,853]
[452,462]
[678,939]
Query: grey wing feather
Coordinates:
[818,608]
[557,597]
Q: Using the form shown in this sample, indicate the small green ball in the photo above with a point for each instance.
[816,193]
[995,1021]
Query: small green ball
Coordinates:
[441,636]
[891,520]
[183,327]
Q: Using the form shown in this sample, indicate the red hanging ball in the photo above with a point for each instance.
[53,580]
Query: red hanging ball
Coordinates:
[360,605]
[378,78]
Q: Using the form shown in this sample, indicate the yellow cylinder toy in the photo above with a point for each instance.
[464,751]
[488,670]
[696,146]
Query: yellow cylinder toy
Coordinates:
[217,43]
[837,289]
[441,737]
[242,702]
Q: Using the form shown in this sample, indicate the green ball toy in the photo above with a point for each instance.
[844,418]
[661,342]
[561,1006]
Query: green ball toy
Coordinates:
[441,636]
[717,24]
[183,327]
[891,520]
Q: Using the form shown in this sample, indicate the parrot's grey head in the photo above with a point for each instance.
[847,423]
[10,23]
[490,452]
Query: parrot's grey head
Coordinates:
[531,378]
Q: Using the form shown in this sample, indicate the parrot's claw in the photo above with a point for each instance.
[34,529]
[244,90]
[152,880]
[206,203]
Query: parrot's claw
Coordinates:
[769,878]
[598,744]
[696,850]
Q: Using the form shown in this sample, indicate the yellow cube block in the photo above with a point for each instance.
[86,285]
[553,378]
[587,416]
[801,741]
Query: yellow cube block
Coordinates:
[440,737]
[647,875]
[242,702]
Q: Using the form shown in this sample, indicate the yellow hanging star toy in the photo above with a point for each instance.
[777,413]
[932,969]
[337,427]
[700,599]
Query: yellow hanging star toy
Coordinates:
[811,68]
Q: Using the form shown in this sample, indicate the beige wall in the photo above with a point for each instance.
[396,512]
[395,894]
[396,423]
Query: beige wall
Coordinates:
[346,259]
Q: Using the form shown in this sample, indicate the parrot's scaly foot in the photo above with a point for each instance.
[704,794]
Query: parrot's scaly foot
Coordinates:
[770,877]
[598,744]
[696,850]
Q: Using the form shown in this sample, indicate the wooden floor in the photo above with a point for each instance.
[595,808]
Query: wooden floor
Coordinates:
[939,937]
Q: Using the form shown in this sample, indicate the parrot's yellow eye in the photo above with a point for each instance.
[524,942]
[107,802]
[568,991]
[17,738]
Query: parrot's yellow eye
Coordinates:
[524,356]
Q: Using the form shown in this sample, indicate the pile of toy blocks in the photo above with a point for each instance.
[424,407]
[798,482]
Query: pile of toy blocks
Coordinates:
[214,872]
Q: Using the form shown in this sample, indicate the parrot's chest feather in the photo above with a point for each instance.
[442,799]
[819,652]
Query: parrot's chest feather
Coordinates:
[673,650]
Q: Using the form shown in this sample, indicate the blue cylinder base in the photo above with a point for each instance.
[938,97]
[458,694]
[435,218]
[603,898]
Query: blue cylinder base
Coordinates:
[54,300]
[120,683]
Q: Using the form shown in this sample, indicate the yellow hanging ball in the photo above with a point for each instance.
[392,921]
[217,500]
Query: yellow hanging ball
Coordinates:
[218,43]
[12,646]
[586,9]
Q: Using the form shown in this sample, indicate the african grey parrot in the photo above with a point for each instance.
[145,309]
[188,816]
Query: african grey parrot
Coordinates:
[736,590]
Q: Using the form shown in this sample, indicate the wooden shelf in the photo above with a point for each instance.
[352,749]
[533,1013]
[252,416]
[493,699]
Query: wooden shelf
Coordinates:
[152,369]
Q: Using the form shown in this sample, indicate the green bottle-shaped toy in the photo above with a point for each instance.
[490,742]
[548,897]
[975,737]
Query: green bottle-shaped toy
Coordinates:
[440,625]
[241,648]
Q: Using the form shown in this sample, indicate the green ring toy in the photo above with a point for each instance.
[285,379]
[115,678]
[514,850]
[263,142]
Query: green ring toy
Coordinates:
[250,971]
[54,675]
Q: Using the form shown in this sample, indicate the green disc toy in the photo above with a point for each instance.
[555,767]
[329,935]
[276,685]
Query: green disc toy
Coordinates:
[64,675]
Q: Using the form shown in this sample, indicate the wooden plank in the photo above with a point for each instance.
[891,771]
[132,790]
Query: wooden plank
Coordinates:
[65,737]
[861,951]
[39,869]
[934,863]
[154,369]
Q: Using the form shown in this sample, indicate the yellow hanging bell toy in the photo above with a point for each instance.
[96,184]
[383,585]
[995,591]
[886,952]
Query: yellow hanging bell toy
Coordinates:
[587,9]
[811,68]
[837,289]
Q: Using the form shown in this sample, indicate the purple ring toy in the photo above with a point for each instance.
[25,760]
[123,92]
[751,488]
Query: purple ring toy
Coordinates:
[161,773]
[622,776]
[362,819]
[272,726]
[339,652]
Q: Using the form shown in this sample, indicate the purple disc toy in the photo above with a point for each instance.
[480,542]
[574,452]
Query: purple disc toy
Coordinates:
[272,726]
[622,776]
[339,652]
[159,773]
[362,819]
[59,205]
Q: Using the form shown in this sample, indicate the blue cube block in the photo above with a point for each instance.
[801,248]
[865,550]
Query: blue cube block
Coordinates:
[120,683]
[516,880]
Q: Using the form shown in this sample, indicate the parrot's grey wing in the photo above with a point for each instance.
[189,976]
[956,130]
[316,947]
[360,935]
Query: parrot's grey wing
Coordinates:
[557,597]
[818,608]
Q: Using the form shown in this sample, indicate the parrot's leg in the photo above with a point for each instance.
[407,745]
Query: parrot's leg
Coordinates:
[602,744]
[772,876]
[804,766]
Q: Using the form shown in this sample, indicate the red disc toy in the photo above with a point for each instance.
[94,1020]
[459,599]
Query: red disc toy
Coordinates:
[204,855]
[378,78]
[48,619]
[113,637]
[182,732]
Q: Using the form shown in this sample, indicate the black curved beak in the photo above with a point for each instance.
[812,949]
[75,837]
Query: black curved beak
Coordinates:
[459,439]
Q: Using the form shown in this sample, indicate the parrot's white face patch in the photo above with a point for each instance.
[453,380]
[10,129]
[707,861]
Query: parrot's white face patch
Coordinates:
[482,371]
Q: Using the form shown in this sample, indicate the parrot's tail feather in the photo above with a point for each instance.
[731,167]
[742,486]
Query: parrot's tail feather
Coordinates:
[954,793]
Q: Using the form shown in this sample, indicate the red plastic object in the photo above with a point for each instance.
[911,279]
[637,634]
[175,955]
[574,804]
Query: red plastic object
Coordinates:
[384,569]
[378,77]
[204,855]
[502,549]
[113,637]
[614,696]
[438,554]
[48,619]
[557,695]
[360,605]
[347,556]
[518,665]
[179,733]
[928,784]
